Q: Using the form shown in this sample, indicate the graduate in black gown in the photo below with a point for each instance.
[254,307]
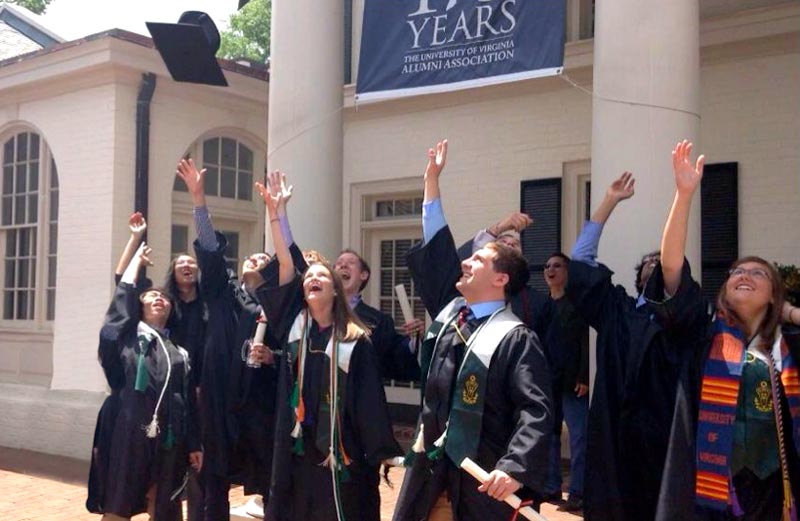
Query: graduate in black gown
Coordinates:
[140,463]
[485,379]
[187,327]
[634,388]
[333,425]
[733,448]
[237,402]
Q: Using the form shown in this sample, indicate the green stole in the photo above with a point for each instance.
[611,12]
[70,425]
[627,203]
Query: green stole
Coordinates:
[464,424]
[328,439]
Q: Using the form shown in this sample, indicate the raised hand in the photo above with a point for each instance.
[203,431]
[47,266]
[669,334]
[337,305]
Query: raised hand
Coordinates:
[271,200]
[142,255]
[276,182]
[687,175]
[194,179]
[436,160]
[622,187]
[137,224]
[517,221]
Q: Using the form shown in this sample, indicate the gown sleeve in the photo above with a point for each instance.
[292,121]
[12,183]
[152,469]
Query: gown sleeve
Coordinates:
[435,268]
[281,304]
[529,388]
[121,318]
[214,277]
[685,313]
[370,413]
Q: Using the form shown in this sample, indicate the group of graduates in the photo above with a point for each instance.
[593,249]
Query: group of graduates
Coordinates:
[275,380]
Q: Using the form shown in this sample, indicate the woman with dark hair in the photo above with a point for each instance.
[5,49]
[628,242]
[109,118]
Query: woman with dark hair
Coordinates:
[733,451]
[187,327]
[141,465]
[333,424]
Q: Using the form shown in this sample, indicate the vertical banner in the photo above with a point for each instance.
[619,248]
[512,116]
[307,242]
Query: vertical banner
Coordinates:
[411,47]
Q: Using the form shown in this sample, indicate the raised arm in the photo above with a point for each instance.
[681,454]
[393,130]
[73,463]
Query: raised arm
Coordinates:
[673,242]
[516,221]
[585,249]
[195,184]
[432,214]
[274,196]
[138,226]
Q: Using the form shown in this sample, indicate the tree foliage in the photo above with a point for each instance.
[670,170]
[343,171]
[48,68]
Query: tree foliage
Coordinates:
[247,35]
[36,6]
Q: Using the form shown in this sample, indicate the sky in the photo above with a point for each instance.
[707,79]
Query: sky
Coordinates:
[72,19]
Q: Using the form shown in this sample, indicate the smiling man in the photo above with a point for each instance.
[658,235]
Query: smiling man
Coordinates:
[486,385]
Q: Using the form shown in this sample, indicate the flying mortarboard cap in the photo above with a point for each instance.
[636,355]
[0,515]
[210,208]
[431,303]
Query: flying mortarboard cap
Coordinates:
[189,48]
[242,3]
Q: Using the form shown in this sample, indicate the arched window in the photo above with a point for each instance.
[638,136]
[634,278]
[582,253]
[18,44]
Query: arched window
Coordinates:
[28,228]
[231,166]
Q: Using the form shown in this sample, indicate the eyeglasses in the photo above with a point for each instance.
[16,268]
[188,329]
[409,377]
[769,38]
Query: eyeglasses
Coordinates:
[553,266]
[754,273]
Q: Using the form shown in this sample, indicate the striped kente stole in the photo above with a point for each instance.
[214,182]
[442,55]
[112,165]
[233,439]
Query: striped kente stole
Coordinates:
[719,397]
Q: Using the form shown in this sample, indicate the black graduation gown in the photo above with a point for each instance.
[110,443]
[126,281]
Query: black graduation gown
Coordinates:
[237,402]
[125,462]
[517,423]
[633,398]
[396,359]
[302,489]
[687,315]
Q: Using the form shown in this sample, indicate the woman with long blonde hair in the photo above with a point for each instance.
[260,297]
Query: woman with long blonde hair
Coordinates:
[333,424]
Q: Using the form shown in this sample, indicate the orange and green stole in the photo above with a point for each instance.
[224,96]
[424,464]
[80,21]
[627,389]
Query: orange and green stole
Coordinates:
[719,400]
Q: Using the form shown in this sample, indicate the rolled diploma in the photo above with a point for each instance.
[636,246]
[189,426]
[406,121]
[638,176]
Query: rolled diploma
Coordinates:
[405,305]
[261,328]
[481,475]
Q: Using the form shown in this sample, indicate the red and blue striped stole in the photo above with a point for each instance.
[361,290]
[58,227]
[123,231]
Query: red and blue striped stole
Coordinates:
[719,396]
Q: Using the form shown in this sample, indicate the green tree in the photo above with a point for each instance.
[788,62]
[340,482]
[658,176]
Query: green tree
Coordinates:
[247,35]
[37,6]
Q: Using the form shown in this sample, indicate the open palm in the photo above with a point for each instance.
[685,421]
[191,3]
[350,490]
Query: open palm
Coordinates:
[687,175]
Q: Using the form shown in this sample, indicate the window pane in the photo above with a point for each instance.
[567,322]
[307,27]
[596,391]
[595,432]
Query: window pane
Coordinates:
[33,176]
[8,179]
[384,209]
[228,152]
[52,247]
[19,209]
[244,190]
[53,175]
[7,208]
[211,151]
[10,274]
[33,208]
[34,146]
[403,207]
[11,243]
[22,147]
[22,305]
[401,248]
[387,250]
[22,174]
[53,205]
[51,272]
[24,242]
[23,266]
[228,183]
[418,206]
[180,239]
[8,305]
[8,152]
[212,180]
[386,283]
[51,304]
[245,158]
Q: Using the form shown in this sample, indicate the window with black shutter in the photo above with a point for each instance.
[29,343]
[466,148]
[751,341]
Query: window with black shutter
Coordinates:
[541,199]
[719,224]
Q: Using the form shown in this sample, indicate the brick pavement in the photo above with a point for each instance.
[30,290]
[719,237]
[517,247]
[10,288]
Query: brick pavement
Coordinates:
[38,487]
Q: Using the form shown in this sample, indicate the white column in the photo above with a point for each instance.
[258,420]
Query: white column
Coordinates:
[646,98]
[305,117]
